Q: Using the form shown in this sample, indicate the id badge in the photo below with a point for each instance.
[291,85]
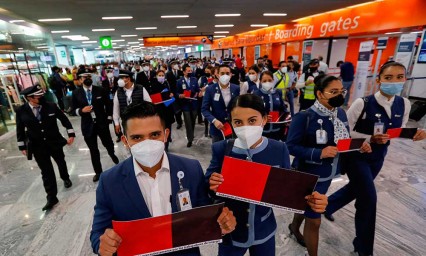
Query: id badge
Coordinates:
[92,113]
[216,97]
[183,200]
[184,86]
[379,128]
[321,136]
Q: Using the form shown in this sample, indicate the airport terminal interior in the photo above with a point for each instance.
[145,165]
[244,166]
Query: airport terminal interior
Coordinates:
[47,44]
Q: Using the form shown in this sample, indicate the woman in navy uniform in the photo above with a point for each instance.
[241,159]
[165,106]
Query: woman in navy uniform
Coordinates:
[256,225]
[273,102]
[205,81]
[312,139]
[160,85]
[252,84]
[383,110]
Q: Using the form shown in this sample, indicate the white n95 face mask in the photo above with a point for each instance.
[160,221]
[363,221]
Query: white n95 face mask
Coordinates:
[267,86]
[121,82]
[224,79]
[253,78]
[110,75]
[148,152]
[283,70]
[248,135]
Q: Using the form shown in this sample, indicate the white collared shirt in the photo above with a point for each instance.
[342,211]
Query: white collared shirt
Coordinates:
[226,94]
[245,86]
[116,104]
[356,108]
[32,108]
[156,192]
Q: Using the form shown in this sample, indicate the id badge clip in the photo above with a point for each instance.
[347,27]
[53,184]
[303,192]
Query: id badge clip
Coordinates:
[379,127]
[183,198]
[321,134]
[92,114]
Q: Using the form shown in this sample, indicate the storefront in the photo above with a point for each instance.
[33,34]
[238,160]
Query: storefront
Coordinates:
[26,56]
[337,35]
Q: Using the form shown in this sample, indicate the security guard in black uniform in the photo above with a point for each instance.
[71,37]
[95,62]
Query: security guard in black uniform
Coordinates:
[93,105]
[38,134]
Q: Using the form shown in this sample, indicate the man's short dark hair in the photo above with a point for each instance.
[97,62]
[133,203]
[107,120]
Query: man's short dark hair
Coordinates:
[141,110]
[224,66]
[184,67]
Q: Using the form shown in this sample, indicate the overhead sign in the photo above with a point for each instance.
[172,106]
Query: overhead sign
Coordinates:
[105,42]
[170,41]
[361,19]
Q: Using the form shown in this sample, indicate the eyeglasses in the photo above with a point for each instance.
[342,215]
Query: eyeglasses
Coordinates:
[336,92]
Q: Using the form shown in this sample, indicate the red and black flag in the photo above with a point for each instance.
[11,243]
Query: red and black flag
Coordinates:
[265,185]
[346,145]
[169,233]
[407,133]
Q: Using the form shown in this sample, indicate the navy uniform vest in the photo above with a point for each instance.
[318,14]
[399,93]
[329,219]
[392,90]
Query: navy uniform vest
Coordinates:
[371,108]
[137,96]
[252,87]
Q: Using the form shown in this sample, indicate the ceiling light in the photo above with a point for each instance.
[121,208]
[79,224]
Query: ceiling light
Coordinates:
[89,42]
[219,36]
[129,35]
[43,47]
[146,28]
[118,40]
[140,39]
[157,46]
[86,45]
[133,43]
[77,38]
[392,33]
[189,45]
[228,15]
[174,16]
[16,21]
[103,29]
[416,32]
[221,32]
[118,18]
[275,14]
[258,25]
[186,27]
[121,45]
[59,31]
[224,26]
[58,19]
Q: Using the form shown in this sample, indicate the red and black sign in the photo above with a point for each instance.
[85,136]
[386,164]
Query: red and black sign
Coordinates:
[347,145]
[169,233]
[266,185]
[407,133]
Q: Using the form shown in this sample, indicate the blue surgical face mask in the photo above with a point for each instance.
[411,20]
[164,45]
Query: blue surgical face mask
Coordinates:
[391,88]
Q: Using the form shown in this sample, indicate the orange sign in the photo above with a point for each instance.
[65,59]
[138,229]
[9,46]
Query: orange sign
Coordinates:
[374,17]
[168,41]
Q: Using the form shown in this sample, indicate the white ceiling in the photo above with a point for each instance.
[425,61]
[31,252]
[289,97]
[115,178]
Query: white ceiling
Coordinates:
[87,15]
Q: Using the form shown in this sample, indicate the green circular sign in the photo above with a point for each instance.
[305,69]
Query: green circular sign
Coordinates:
[105,42]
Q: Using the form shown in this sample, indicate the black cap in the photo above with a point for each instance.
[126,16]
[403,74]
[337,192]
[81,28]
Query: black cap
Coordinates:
[34,90]
[192,60]
[314,61]
[174,61]
[84,72]
[125,73]
[228,60]
[145,62]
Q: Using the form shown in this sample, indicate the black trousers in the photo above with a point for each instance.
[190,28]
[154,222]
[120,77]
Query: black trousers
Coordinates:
[42,156]
[60,96]
[199,115]
[92,144]
[189,118]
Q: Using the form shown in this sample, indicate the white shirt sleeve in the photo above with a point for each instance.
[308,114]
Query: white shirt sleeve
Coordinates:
[353,114]
[407,105]
[301,82]
[116,110]
[146,95]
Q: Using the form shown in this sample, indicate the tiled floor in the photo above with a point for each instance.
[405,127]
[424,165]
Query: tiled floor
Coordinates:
[25,230]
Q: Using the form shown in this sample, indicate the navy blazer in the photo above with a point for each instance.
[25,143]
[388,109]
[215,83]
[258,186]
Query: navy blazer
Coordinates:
[262,226]
[273,102]
[118,196]
[212,109]
[301,141]
[187,104]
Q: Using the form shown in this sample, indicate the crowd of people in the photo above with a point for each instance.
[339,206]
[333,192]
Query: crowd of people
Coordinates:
[248,112]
